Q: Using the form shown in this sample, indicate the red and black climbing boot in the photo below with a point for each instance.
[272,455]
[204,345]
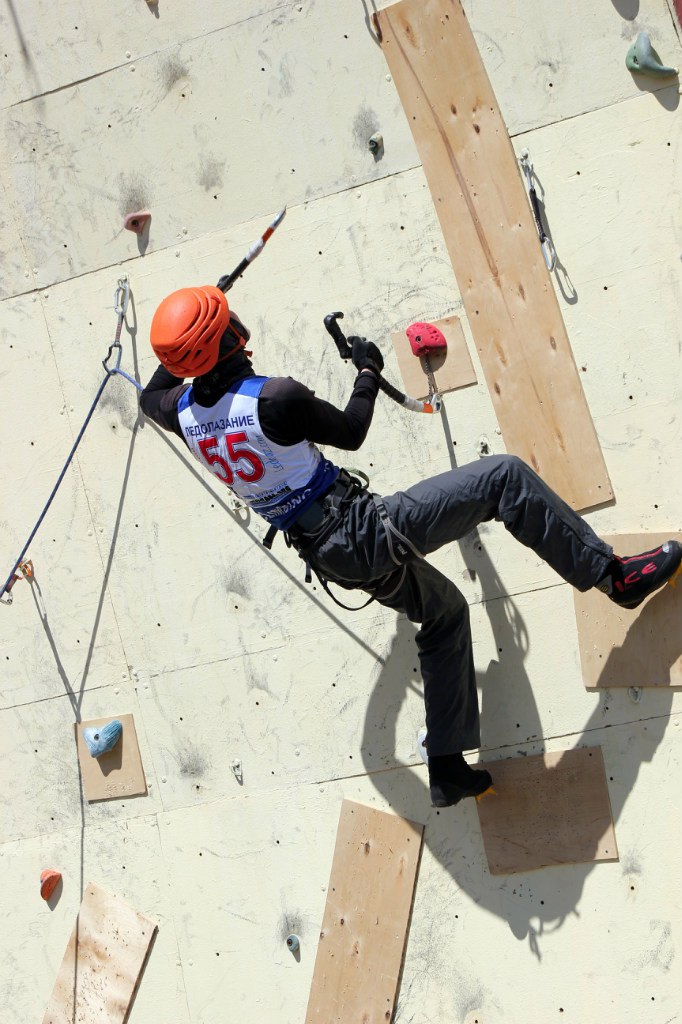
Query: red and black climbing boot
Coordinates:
[451,780]
[629,581]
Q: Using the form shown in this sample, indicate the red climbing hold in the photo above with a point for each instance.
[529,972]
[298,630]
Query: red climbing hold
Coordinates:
[425,338]
[49,880]
[137,222]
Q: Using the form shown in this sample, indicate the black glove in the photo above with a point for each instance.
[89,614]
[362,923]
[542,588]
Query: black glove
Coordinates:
[366,356]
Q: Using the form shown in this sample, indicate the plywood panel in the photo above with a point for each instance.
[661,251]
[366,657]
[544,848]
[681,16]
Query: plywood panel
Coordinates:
[103,962]
[492,241]
[364,929]
[452,369]
[642,647]
[119,772]
[548,809]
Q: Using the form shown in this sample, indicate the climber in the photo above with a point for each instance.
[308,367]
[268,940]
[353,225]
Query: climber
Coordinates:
[259,435]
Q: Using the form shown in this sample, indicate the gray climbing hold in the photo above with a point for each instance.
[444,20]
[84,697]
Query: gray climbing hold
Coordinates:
[642,58]
[101,739]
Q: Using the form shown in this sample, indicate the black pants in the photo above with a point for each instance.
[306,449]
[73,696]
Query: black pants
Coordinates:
[362,553]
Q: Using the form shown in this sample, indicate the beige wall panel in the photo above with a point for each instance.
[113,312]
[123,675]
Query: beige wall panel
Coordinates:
[612,201]
[37,741]
[630,347]
[16,276]
[60,631]
[127,859]
[611,181]
[50,46]
[520,45]
[197,135]
[549,64]
[251,872]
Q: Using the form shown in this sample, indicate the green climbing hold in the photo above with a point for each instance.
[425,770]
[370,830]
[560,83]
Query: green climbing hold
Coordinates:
[642,58]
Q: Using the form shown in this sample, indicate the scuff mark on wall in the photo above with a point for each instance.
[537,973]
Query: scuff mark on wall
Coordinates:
[191,761]
[211,173]
[134,192]
[286,84]
[365,124]
[173,70]
[658,951]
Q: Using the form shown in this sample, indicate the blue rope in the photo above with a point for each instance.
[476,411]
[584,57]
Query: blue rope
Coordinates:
[121,305]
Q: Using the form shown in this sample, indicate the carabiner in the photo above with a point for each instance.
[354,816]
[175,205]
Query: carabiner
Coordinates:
[549,253]
[121,296]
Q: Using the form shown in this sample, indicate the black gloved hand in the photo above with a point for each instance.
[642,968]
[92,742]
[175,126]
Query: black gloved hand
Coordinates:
[366,355]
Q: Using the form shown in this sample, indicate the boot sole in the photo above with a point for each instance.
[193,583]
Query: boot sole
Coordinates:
[457,794]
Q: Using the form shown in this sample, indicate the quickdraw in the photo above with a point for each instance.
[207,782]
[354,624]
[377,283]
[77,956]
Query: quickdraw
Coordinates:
[26,572]
[545,242]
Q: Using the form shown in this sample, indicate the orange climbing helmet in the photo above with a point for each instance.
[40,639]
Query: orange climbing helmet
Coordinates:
[187,328]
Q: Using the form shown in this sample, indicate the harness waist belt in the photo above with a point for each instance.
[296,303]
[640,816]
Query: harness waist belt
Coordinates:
[314,516]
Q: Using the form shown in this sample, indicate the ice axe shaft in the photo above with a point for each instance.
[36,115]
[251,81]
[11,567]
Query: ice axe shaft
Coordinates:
[227,280]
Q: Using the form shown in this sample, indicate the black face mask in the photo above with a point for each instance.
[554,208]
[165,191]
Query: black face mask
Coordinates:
[209,387]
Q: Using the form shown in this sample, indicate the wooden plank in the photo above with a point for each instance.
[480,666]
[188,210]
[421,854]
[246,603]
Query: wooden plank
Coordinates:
[491,237]
[452,369]
[547,809]
[366,917]
[119,772]
[103,962]
[631,648]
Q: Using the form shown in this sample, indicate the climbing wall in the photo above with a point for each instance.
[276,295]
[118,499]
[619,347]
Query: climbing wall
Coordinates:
[259,706]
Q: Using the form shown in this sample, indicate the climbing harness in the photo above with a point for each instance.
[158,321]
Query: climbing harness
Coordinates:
[332,507]
[121,298]
[400,551]
[545,242]
[346,352]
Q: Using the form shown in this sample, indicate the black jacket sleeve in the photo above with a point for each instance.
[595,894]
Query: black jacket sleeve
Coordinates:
[160,398]
[289,412]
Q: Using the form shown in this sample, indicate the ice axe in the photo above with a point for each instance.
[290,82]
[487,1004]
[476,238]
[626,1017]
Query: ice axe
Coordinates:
[227,280]
[425,339]
[346,352]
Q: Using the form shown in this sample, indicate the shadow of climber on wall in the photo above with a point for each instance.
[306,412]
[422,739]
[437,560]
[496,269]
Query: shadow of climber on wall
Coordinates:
[534,903]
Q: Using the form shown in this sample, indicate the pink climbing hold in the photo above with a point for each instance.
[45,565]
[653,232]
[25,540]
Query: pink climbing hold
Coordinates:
[49,880]
[137,222]
[425,338]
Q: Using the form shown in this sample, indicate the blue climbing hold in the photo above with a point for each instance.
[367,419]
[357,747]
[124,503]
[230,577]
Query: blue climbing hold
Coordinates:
[101,739]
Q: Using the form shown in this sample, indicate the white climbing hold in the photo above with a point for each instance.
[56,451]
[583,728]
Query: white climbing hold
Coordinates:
[101,739]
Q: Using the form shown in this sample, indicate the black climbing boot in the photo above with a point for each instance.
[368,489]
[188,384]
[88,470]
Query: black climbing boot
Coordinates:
[629,580]
[451,780]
